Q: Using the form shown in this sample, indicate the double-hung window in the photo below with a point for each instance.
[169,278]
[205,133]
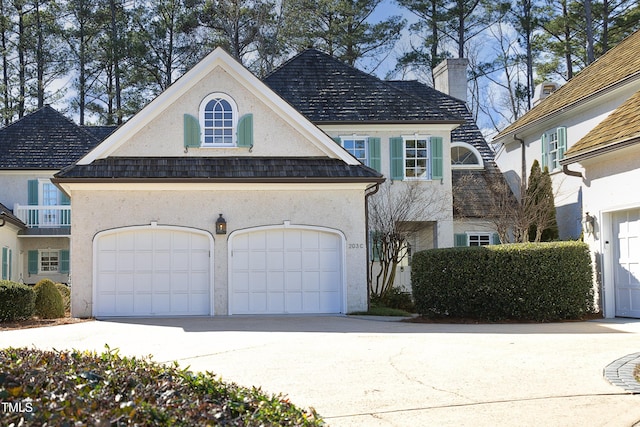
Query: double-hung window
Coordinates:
[554,144]
[47,261]
[6,263]
[416,157]
[364,148]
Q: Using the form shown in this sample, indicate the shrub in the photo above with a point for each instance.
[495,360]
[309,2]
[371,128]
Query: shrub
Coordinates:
[49,304]
[395,298]
[17,301]
[66,295]
[81,388]
[541,282]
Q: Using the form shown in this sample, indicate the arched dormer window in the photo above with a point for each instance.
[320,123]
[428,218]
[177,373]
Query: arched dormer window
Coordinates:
[218,120]
[465,156]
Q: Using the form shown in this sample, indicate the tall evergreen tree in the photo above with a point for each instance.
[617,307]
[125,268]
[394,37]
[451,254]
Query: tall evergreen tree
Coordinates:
[540,205]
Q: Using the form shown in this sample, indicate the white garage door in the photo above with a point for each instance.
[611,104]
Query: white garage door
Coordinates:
[276,271]
[626,231]
[152,271]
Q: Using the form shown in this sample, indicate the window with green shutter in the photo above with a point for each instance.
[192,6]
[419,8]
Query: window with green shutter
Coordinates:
[396,145]
[64,261]
[554,145]
[460,239]
[417,157]
[365,149]
[437,163]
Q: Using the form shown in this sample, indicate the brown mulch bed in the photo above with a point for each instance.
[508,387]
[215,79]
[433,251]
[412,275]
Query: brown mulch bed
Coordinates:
[470,321]
[38,323]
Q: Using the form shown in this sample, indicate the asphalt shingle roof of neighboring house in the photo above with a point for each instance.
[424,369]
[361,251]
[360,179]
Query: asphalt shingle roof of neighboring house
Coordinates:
[10,217]
[325,90]
[223,169]
[619,65]
[44,139]
[620,128]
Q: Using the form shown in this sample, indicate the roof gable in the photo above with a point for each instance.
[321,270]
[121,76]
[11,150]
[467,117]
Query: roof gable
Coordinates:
[326,90]
[195,82]
[44,139]
[620,127]
[617,66]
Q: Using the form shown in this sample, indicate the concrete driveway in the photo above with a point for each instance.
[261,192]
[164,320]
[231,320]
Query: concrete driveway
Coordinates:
[371,372]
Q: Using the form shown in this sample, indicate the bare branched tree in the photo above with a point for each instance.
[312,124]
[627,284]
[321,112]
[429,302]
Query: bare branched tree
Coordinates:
[397,212]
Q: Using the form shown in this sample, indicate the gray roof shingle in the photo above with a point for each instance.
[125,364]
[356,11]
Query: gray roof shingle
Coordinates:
[226,169]
[326,90]
[44,139]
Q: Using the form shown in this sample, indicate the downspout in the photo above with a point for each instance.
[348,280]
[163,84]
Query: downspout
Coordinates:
[370,191]
[566,171]
[523,172]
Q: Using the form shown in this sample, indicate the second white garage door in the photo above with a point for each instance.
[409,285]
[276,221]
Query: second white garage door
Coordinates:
[284,270]
[152,271]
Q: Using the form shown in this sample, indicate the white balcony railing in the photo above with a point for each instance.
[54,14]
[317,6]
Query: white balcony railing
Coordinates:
[39,216]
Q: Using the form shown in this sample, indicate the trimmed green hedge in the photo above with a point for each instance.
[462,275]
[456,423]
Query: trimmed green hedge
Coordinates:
[49,302]
[541,282]
[17,301]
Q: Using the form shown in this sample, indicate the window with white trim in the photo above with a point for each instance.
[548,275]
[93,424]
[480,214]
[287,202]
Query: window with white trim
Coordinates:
[465,156]
[357,146]
[479,239]
[218,120]
[416,158]
[554,144]
[49,261]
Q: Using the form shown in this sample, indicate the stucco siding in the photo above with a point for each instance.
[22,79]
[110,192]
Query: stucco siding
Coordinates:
[340,209]
[163,136]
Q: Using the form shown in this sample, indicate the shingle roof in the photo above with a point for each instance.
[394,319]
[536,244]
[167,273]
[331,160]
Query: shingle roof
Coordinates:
[620,64]
[620,127]
[10,217]
[44,139]
[326,90]
[223,169]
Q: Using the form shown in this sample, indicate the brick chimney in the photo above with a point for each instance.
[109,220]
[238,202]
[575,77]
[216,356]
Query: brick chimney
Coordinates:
[450,77]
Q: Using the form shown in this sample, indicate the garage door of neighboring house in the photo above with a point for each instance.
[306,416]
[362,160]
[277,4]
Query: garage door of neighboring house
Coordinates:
[281,270]
[152,271]
[626,258]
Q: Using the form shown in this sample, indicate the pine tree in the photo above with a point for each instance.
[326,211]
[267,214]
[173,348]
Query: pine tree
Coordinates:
[540,205]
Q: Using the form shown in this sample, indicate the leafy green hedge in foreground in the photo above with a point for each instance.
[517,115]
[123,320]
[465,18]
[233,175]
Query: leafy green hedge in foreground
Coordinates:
[540,282]
[81,388]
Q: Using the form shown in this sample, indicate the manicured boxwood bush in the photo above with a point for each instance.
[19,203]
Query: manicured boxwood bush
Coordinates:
[49,304]
[17,301]
[65,291]
[69,388]
[540,282]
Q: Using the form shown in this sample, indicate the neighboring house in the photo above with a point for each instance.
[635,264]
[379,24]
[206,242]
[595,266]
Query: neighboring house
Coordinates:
[10,226]
[35,237]
[383,122]
[589,129]
[218,198]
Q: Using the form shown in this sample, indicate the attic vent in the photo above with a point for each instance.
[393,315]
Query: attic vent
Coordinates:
[543,90]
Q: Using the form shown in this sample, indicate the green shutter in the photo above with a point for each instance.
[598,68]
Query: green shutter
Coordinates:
[32,200]
[245,131]
[32,262]
[495,239]
[374,154]
[562,141]
[460,239]
[5,263]
[191,131]
[543,141]
[337,140]
[64,261]
[9,276]
[437,163]
[396,145]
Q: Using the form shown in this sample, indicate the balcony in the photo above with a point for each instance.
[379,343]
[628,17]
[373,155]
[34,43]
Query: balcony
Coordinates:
[48,217]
